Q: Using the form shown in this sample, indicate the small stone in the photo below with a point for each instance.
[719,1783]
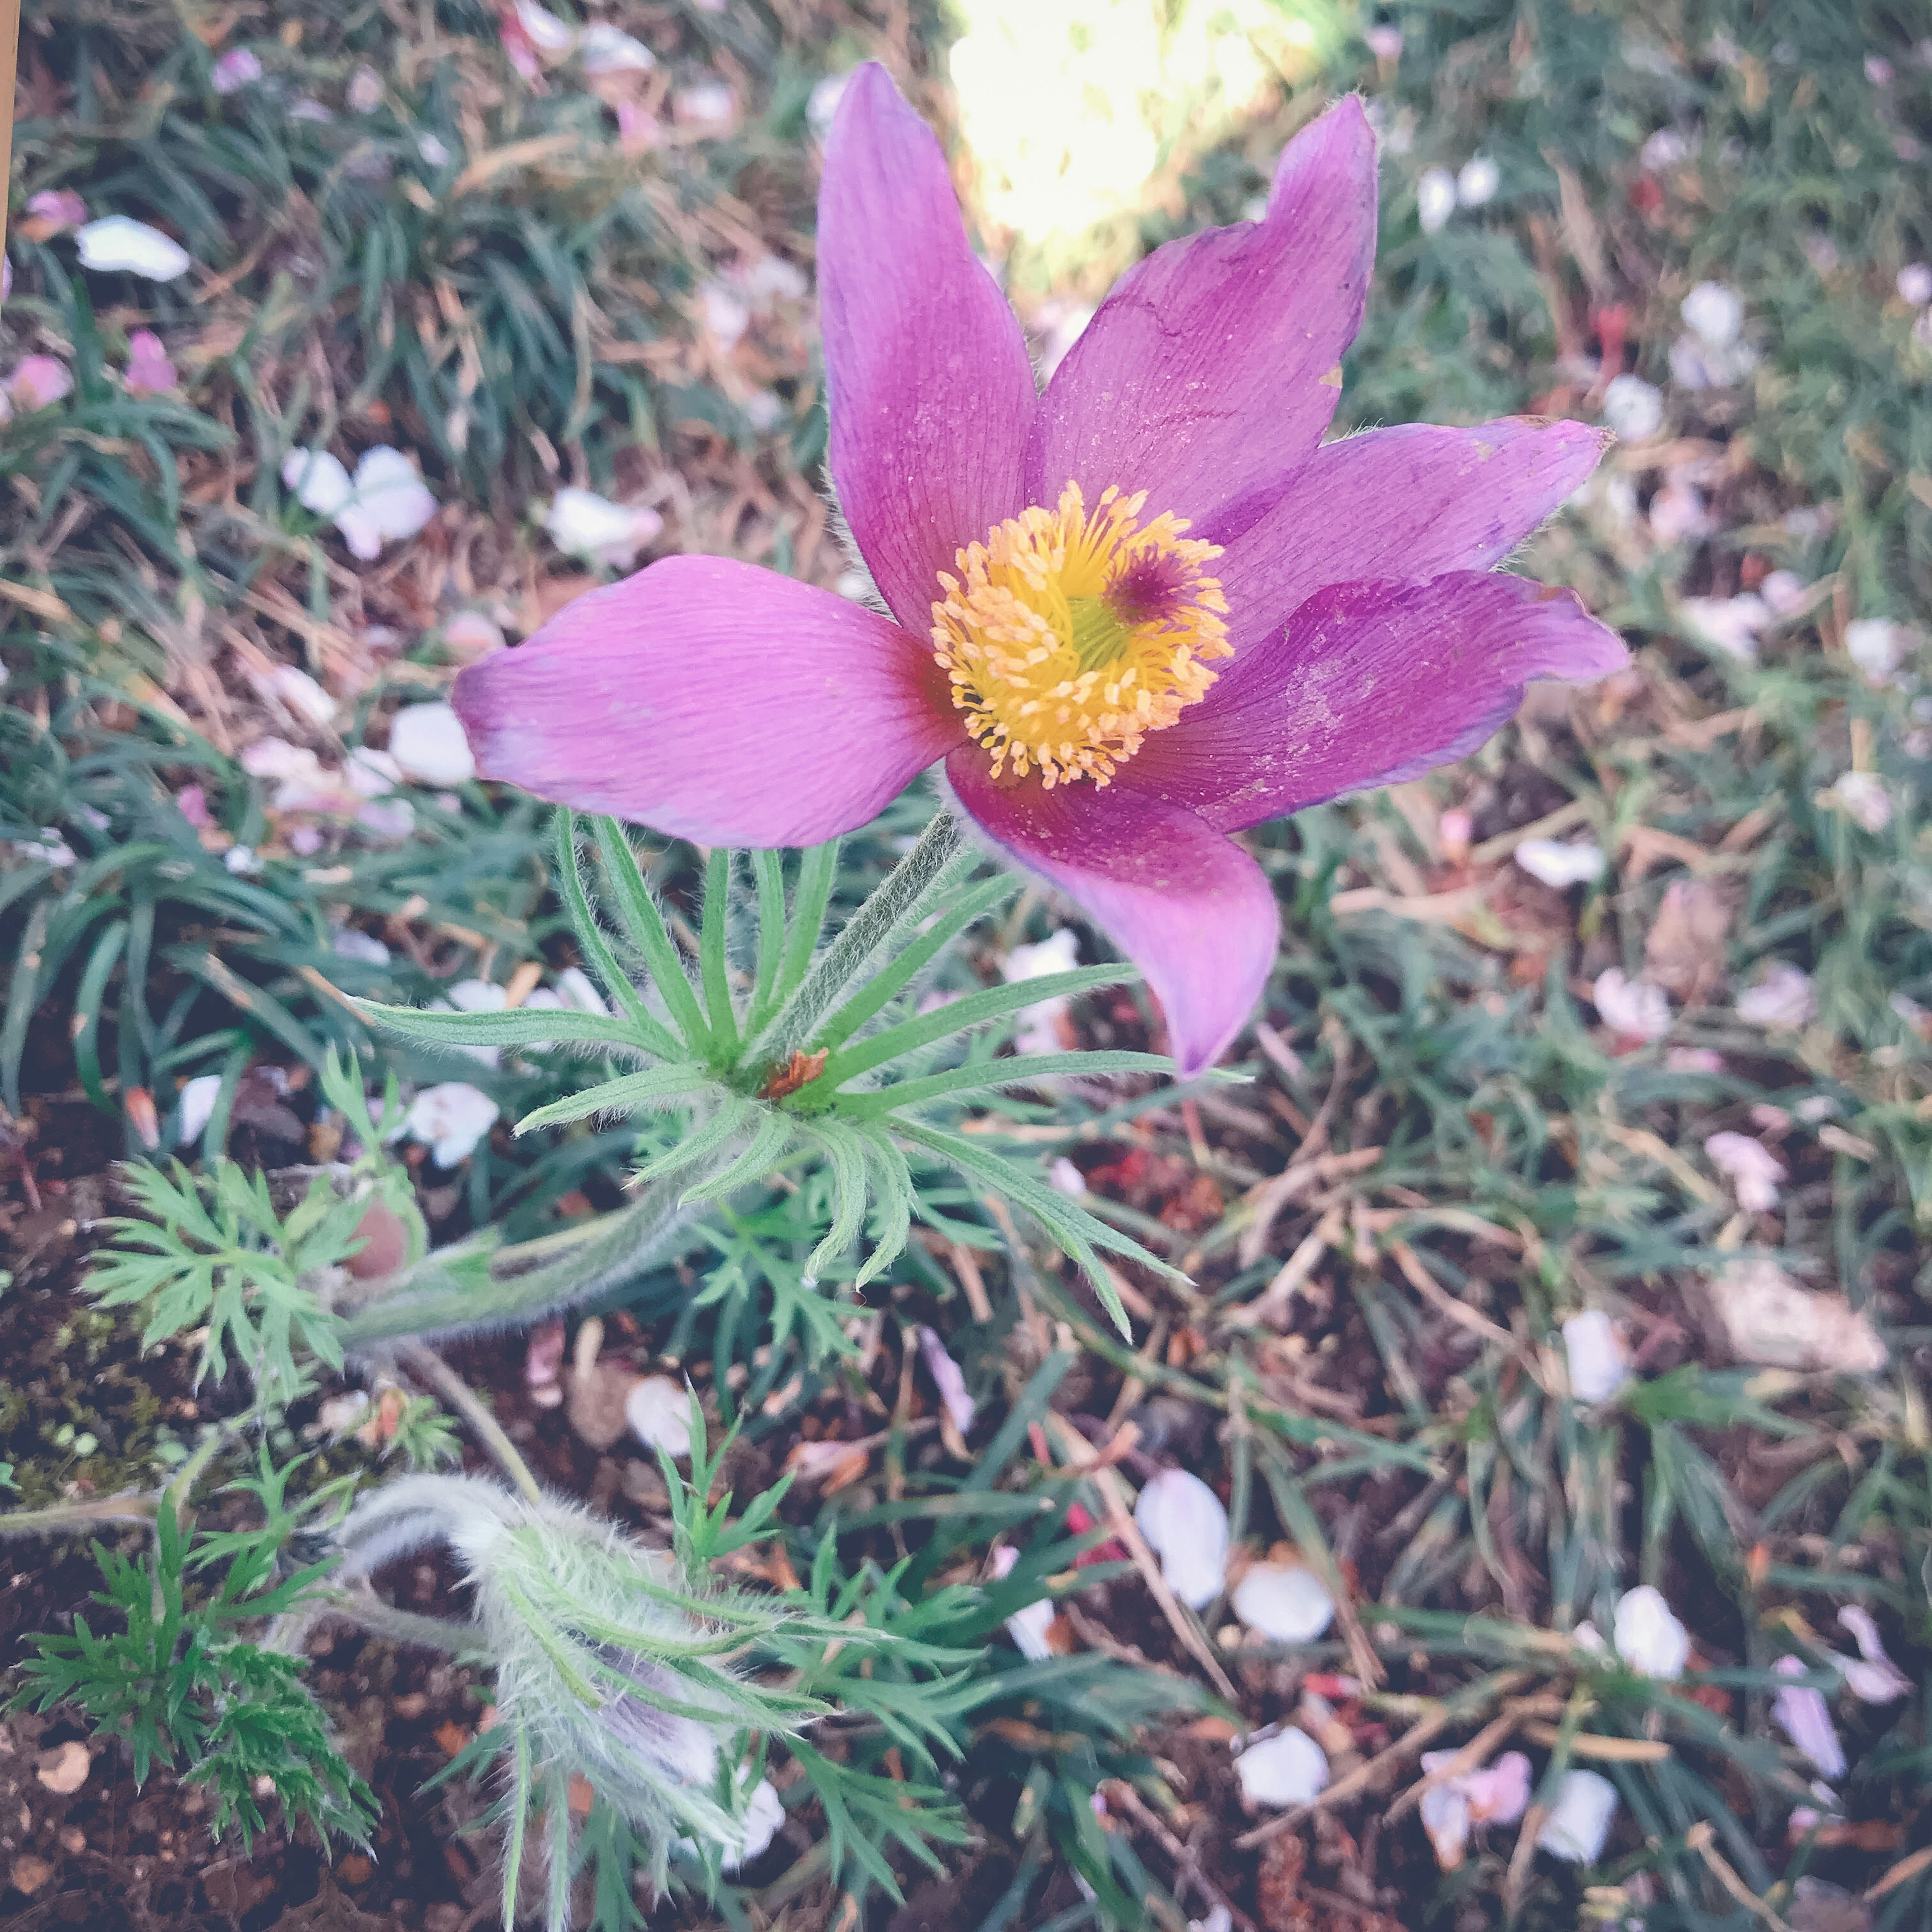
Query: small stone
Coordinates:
[29,1873]
[63,1770]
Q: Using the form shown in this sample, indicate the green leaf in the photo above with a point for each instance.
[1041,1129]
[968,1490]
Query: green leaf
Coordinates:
[987,1076]
[817,873]
[991,1004]
[546,1026]
[651,1033]
[712,963]
[622,1096]
[644,926]
[885,985]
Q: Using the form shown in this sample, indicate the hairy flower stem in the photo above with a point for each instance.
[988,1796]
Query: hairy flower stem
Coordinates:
[363,1607]
[61,1518]
[473,1287]
[422,1360]
[862,935]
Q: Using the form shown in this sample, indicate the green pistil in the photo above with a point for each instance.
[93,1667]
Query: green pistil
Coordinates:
[1100,638]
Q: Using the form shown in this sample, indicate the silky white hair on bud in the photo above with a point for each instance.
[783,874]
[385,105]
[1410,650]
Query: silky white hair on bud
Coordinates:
[609,1663]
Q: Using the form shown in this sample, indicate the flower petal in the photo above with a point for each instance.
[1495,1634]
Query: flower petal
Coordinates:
[1191,909]
[1367,685]
[713,700]
[1204,374]
[1410,503]
[928,382]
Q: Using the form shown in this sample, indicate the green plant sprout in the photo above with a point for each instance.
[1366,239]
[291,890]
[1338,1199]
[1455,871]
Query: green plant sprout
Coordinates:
[817,1055]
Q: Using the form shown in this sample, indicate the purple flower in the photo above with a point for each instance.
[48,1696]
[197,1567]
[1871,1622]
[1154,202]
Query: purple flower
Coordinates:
[1136,613]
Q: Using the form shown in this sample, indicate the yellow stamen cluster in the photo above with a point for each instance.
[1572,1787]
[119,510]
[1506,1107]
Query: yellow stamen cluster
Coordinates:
[1068,638]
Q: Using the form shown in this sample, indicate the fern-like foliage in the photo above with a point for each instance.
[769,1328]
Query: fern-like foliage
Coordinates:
[214,1254]
[181,1687]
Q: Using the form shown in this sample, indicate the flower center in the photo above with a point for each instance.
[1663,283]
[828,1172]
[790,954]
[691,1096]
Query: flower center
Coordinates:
[1068,638]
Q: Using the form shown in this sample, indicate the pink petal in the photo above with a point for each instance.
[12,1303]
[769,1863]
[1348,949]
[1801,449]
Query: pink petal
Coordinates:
[1369,684]
[1204,374]
[1191,909]
[714,700]
[928,382]
[1408,502]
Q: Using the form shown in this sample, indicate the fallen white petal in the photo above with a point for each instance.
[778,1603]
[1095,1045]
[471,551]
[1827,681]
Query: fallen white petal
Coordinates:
[1633,408]
[1435,198]
[1579,1823]
[948,1378]
[352,942]
[1713,313]
[1784,998]
[1637,1008]
[604,49]
[1444,1812]
[371,773]
[582,523]
[658,1411]
[550,35]
[1288,1769]
[1733,624]
[321,484]
[117,243]
[1873,1678]
[822,104]
[1027,1628]
[1650,1639]
[1764,1317]
[1559,863]
[197,1107]
[301,693]
[1186,1526]
[1599,1362]
[1067,1177]
[1285,1602]
[1477,181]
[1863,797]
[1754,1171]
[390,495]
[427,742]
[1802,1714]
[1877,646]
[450,1118]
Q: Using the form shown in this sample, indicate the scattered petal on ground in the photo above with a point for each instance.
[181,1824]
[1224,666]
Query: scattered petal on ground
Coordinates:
[1186,1525]
[947,1379]
[1649,1637]
[582,523]
[1435,198]
[427,742]
[198,1097]
[1755,1173]
[1598,1360]
[1288,1769]
[658,1411]
[1286,1603]
[1873,1678]
[117,243]
[1785,996]
[1580,1817]
[1763,1316]
[450,1118]
[1636,1008]
[1803,1715]
[1560,864]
